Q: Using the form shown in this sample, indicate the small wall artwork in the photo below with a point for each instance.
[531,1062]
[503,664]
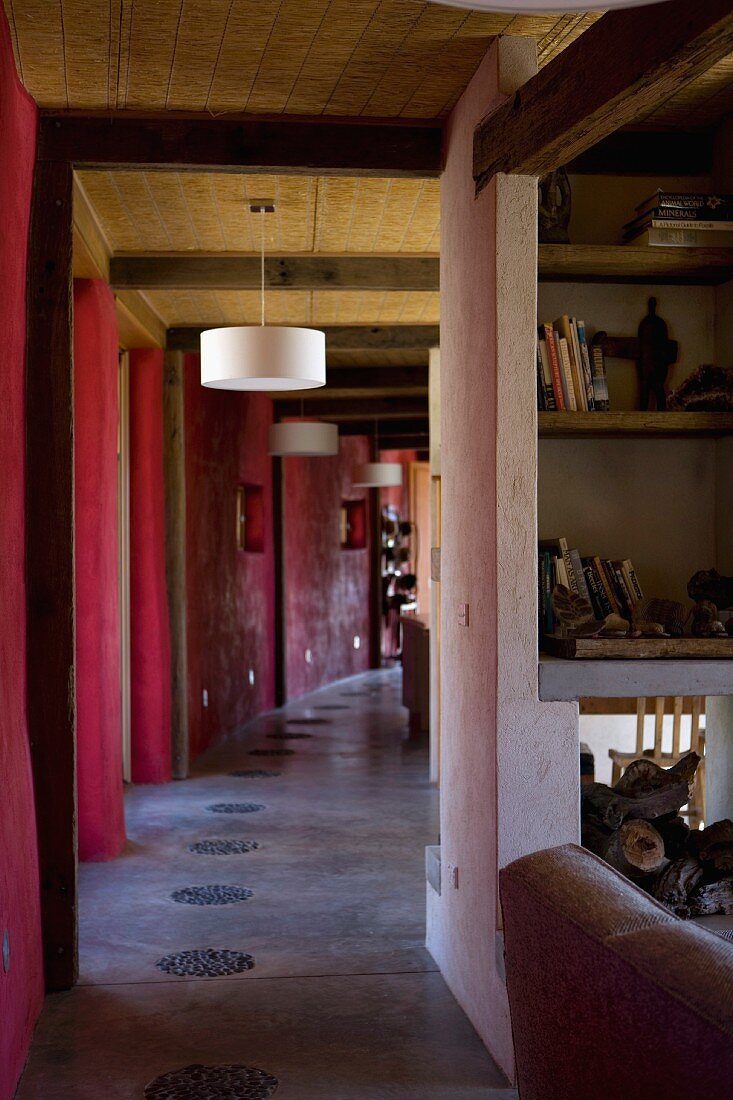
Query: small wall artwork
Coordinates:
[353,525]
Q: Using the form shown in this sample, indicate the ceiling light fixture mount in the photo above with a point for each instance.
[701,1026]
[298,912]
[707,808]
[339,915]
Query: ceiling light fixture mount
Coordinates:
[263,357]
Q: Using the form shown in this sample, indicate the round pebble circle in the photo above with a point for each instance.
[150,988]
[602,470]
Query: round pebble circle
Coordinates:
[272,752]
[283,735]
[223,847]
[331,706]
[254,773]
[235,807]
[308,721]
[209,963]
[197,1082]
[211,895]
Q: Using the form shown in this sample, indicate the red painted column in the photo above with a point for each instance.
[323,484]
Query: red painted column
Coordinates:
[150,650]
[99,726]
[21,988]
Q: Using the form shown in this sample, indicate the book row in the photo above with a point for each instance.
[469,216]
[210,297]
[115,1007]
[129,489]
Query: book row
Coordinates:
[609,586]
[571,373]
[679,219]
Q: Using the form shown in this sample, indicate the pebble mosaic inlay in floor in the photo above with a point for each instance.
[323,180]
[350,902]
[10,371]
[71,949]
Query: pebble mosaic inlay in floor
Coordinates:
[208,963]
[272,752]
[197,1082]
[223,847]
[211,895]
[235,807]
[292,735]
[254,773]
[308,721]
[331,706]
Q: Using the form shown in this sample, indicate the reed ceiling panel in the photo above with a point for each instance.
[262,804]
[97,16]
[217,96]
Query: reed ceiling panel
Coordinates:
[192,212]
[294,307]
[402,58]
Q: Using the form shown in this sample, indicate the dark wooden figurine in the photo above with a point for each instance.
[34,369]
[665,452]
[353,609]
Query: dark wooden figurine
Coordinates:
[554,207]
[656,354]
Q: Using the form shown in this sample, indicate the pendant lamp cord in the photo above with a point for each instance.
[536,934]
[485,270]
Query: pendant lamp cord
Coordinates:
[262,265]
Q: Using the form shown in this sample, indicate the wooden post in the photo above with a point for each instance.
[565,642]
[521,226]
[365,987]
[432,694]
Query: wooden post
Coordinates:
[50,638]
[278,529]
[174,459]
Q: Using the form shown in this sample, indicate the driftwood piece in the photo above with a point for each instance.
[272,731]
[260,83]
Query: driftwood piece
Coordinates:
[612,809]
[714,897]
[675,884]
[645,776]
[636,849]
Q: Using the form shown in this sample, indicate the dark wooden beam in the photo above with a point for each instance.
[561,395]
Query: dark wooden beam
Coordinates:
[281,273]
[648,153]
[370,381]
[174,467]
[393,432]
[616,72]
[246,144]
[338,337]
[49,538]
[346,408]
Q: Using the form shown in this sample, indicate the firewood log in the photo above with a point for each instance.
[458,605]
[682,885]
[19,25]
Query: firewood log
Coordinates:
[714,897]
[636,849]
[606,806]
[675,884]
[675,833]
[714,848]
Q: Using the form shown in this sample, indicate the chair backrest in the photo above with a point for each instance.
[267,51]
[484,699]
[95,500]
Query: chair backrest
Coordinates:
[611,995]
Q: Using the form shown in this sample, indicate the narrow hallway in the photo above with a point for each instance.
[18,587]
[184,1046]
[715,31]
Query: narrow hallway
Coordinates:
[342,1001]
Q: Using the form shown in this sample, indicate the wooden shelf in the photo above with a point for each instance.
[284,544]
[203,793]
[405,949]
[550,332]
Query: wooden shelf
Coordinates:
[574,425]
[598,263]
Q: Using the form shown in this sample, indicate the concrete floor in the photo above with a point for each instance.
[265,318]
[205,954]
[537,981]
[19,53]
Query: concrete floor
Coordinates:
[343,1003]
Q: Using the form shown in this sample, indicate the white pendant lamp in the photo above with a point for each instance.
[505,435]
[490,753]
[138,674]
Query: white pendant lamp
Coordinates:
[518,7]
[377,475]
[307,438]
[263,357]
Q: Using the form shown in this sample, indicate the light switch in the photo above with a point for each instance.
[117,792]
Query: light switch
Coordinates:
[463,614]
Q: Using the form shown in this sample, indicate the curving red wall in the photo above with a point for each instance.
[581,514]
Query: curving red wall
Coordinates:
[230,593]
[326,588]
[21,988]
[96,412]
[150,649]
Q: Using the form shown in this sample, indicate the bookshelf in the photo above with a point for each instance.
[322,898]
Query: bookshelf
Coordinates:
[619,425]
[602,263]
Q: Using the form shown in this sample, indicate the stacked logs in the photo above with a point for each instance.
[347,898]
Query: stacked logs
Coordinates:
[636,827]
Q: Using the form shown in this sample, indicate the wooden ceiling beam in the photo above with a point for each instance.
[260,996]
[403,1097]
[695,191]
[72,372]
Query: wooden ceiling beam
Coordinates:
[373,378]
[338,337]
[190,272]
[392,433]
[322,146]
[352,408]
[616,72]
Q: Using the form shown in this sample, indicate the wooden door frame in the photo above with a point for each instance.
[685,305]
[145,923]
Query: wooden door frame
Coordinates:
[123,536]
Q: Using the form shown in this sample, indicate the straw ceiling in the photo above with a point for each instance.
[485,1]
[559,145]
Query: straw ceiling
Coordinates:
[338,57]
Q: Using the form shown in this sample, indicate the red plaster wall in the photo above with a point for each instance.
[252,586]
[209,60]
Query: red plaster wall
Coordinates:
[326,588]
[230,592]
[99,739]
[150,649]
[21,989]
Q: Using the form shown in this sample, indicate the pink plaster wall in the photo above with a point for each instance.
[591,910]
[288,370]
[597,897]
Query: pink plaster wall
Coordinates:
[98,700]
[326,588]
[399,495]
[21,989]
[230,593]
[150,649]
[462,924]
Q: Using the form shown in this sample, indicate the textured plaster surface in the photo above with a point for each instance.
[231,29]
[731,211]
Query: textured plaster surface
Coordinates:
[326,588]
[21,988]
[150,646]
[230,592]
[343,1002]
[98,700]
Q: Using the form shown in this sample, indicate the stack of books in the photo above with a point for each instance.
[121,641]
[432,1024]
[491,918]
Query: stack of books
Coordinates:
[608,586]
[571,374]
[683,220]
